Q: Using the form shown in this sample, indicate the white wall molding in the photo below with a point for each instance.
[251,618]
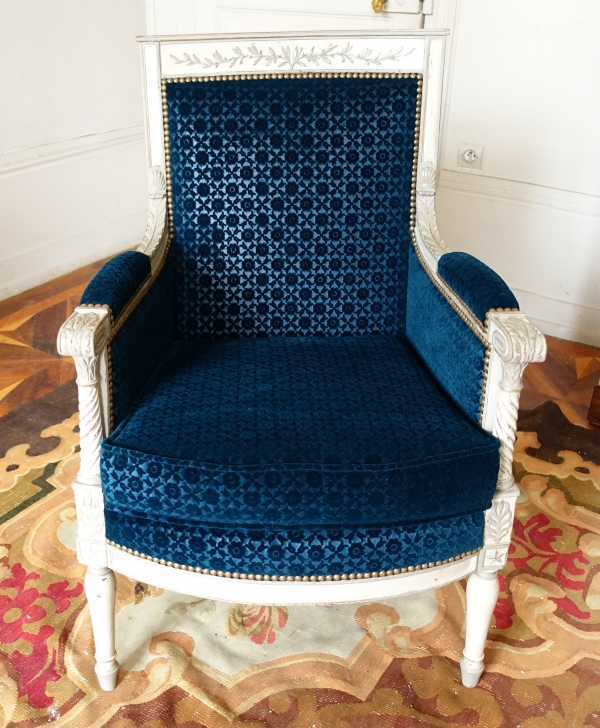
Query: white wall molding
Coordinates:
[563,319]
[541,240]
[165,17]
[522,193]
[83,200]
[16,160]
[33,267]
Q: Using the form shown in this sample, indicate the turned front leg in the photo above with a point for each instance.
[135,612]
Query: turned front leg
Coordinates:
[482,595]
[100,590]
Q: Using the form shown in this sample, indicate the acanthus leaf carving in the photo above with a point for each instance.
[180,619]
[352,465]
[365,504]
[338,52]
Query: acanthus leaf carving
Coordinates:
[498,522]
[426,219]
[91,544]
[518,342]
[157,213]
[84,333]
[84,336]
[288,57]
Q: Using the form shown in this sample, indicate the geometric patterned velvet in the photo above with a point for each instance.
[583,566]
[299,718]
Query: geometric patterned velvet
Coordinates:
[448,347]
[117,281]
[300,551]
[297,433]
[143,341]
[291,205]
[479,286]
[293,396]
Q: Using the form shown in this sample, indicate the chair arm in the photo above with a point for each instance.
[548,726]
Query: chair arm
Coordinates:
[117,338]
[136,290]
[117,282]
[479,287]
[450,340]
[478,360]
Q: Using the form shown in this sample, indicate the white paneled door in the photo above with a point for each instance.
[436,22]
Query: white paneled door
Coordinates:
[165,17]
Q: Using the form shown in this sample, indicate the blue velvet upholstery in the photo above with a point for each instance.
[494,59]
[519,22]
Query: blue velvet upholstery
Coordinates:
[117,281]
[296,433]
[301,551]
[451,351]
[143,341]
[291,205]
[293,395]
[479,286]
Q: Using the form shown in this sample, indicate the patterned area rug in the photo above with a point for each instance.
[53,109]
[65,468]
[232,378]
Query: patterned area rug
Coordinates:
[191,662]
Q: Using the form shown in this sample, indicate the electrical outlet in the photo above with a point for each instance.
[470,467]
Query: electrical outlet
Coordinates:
[469,157]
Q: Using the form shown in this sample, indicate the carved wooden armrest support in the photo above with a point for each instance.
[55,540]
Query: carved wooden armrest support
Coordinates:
[515,342]
[426,224]
[156,235]
[84,336]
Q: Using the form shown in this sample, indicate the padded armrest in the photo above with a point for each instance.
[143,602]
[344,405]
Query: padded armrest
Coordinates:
[117,281]
[141,338]
[453,350]
[478,286]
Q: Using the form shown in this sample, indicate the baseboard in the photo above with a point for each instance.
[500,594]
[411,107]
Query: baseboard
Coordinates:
[64,256]
[563,319]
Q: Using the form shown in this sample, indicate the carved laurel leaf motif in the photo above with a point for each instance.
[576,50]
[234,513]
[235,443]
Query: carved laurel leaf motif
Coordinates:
[155,226]
[290,58]
[426,219]
[90,517]
[428,226]
[498,522]
[157,213]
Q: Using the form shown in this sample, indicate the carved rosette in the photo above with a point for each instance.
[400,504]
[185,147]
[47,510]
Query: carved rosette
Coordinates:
[426,219]
[518,342]
[156,225]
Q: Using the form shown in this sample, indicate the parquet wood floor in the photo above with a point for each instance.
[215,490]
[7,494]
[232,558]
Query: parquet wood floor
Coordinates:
[29,362]
[31,367]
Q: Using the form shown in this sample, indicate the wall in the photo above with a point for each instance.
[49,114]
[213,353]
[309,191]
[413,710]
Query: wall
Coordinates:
[518,82]
[238,16]
[523,82]
[72,158]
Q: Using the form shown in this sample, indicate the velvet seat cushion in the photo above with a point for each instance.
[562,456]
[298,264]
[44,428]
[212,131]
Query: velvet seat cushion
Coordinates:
[288,455]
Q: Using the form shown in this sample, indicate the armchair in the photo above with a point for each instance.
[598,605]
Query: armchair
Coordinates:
[291,392]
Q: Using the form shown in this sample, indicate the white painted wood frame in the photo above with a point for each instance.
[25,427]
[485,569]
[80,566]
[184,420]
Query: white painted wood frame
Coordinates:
[510,339]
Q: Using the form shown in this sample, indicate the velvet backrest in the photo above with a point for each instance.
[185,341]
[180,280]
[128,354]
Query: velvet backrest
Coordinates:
[291,204]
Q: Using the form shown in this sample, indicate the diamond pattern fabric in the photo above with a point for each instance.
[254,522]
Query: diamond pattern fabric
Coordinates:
[291,205]
[317,432]
[294,414]
[300,551]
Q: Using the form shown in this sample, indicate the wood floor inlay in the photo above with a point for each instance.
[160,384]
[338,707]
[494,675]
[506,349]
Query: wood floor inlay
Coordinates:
[29,362]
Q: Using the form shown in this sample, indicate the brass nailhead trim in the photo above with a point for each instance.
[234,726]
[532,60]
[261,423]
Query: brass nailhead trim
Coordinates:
[313,578]
[293,74]
[321,577]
